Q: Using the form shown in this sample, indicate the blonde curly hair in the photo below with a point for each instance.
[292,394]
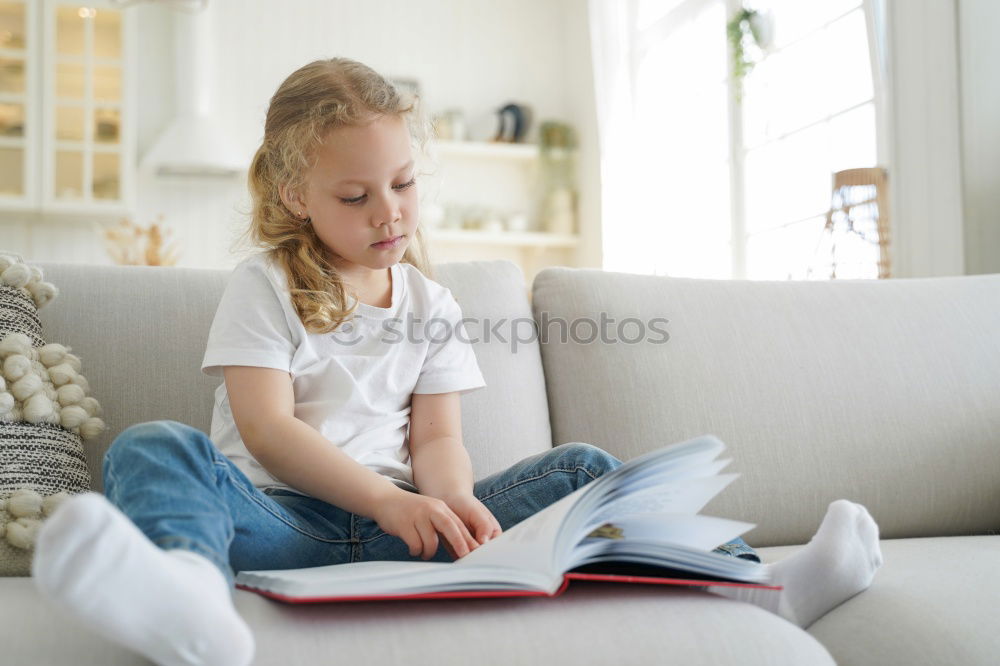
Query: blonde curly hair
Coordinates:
[312,101]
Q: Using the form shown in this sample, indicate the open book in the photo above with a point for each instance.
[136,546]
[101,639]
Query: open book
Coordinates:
[638,523]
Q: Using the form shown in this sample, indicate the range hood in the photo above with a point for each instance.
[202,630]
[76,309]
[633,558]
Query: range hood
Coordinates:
[194,143]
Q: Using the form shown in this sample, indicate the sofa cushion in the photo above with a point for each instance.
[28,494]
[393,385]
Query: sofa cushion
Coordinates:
[932,602]
[884,392]
[592,623]
[143,331]
[509,419]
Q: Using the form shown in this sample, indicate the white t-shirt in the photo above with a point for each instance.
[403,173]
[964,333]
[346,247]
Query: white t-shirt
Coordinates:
[353,385]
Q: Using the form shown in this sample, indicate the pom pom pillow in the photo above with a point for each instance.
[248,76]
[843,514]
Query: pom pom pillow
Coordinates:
[45,414]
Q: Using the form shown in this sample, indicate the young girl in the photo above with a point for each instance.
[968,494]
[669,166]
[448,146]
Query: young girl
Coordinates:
[332,442]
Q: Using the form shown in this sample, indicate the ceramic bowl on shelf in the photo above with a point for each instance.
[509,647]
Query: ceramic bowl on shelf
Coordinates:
[517,222]
[492,225]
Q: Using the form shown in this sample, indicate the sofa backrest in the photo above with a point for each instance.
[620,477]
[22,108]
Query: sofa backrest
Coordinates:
[140,333]
[883,392]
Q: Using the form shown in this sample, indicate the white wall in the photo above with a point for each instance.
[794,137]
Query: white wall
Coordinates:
[473,54]
[478,54]
[925,167]
[979,52]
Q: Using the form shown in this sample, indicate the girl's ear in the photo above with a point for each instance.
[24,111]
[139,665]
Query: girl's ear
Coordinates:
[292,200]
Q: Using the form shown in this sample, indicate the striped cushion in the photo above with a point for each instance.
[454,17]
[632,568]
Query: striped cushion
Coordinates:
[42,457]
[19,315]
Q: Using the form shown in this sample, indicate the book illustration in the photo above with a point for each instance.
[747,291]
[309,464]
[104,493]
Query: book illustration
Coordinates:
[606,531]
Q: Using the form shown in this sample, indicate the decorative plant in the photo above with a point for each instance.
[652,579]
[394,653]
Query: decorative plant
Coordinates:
[747,28]
[133,245]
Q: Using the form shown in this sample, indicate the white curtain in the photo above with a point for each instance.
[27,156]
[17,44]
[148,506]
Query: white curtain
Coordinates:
[924,136]
[875,20]
[611,34]
[660,76]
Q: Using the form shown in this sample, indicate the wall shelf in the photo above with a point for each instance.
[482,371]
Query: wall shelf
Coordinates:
[501,180]
[486,149]
[537,239]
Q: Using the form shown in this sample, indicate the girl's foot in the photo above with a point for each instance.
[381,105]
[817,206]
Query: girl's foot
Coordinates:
[172,606]
[838,562]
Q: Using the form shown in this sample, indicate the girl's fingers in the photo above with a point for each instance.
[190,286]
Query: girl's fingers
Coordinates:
[460,535]
[471,545]
[483,532]
[413,541]
[429,538]
[452,529]
[470,539]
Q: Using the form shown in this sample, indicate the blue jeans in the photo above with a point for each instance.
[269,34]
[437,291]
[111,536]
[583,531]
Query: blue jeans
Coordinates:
[181,492]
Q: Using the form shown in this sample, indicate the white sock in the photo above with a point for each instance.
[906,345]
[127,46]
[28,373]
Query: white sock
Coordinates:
[838,562]
[172,606]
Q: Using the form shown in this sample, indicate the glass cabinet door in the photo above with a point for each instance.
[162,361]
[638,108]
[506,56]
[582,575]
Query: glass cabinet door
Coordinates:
[85,92]
[15,44]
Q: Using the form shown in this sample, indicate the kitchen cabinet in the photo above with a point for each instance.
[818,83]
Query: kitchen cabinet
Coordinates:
[67,107]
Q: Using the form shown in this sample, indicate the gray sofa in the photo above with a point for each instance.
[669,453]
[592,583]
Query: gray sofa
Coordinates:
[883,392]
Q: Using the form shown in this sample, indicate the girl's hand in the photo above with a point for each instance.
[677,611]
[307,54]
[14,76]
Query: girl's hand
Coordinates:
[417,520]
[475,516]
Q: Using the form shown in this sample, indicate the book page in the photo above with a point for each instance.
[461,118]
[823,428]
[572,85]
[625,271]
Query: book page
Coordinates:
[390,577]
[530,544]
[681,460]
[533,543]
[691,531]
[661,474]
[688,496]
[671,556]
[659,471]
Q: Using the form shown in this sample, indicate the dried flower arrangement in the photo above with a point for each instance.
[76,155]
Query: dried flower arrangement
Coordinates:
[130,244]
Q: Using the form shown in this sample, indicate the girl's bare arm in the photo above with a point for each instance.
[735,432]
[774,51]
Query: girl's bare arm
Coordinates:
[294,452]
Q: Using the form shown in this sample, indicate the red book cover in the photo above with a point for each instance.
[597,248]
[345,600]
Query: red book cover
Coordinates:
[476,594]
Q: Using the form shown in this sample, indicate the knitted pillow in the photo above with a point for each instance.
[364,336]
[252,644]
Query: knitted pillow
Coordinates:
[45,414]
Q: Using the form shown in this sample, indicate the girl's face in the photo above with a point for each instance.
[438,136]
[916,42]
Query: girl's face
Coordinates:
[362,190]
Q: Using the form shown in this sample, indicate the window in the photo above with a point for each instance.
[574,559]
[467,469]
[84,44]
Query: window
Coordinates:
[721,188]
[808,111]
